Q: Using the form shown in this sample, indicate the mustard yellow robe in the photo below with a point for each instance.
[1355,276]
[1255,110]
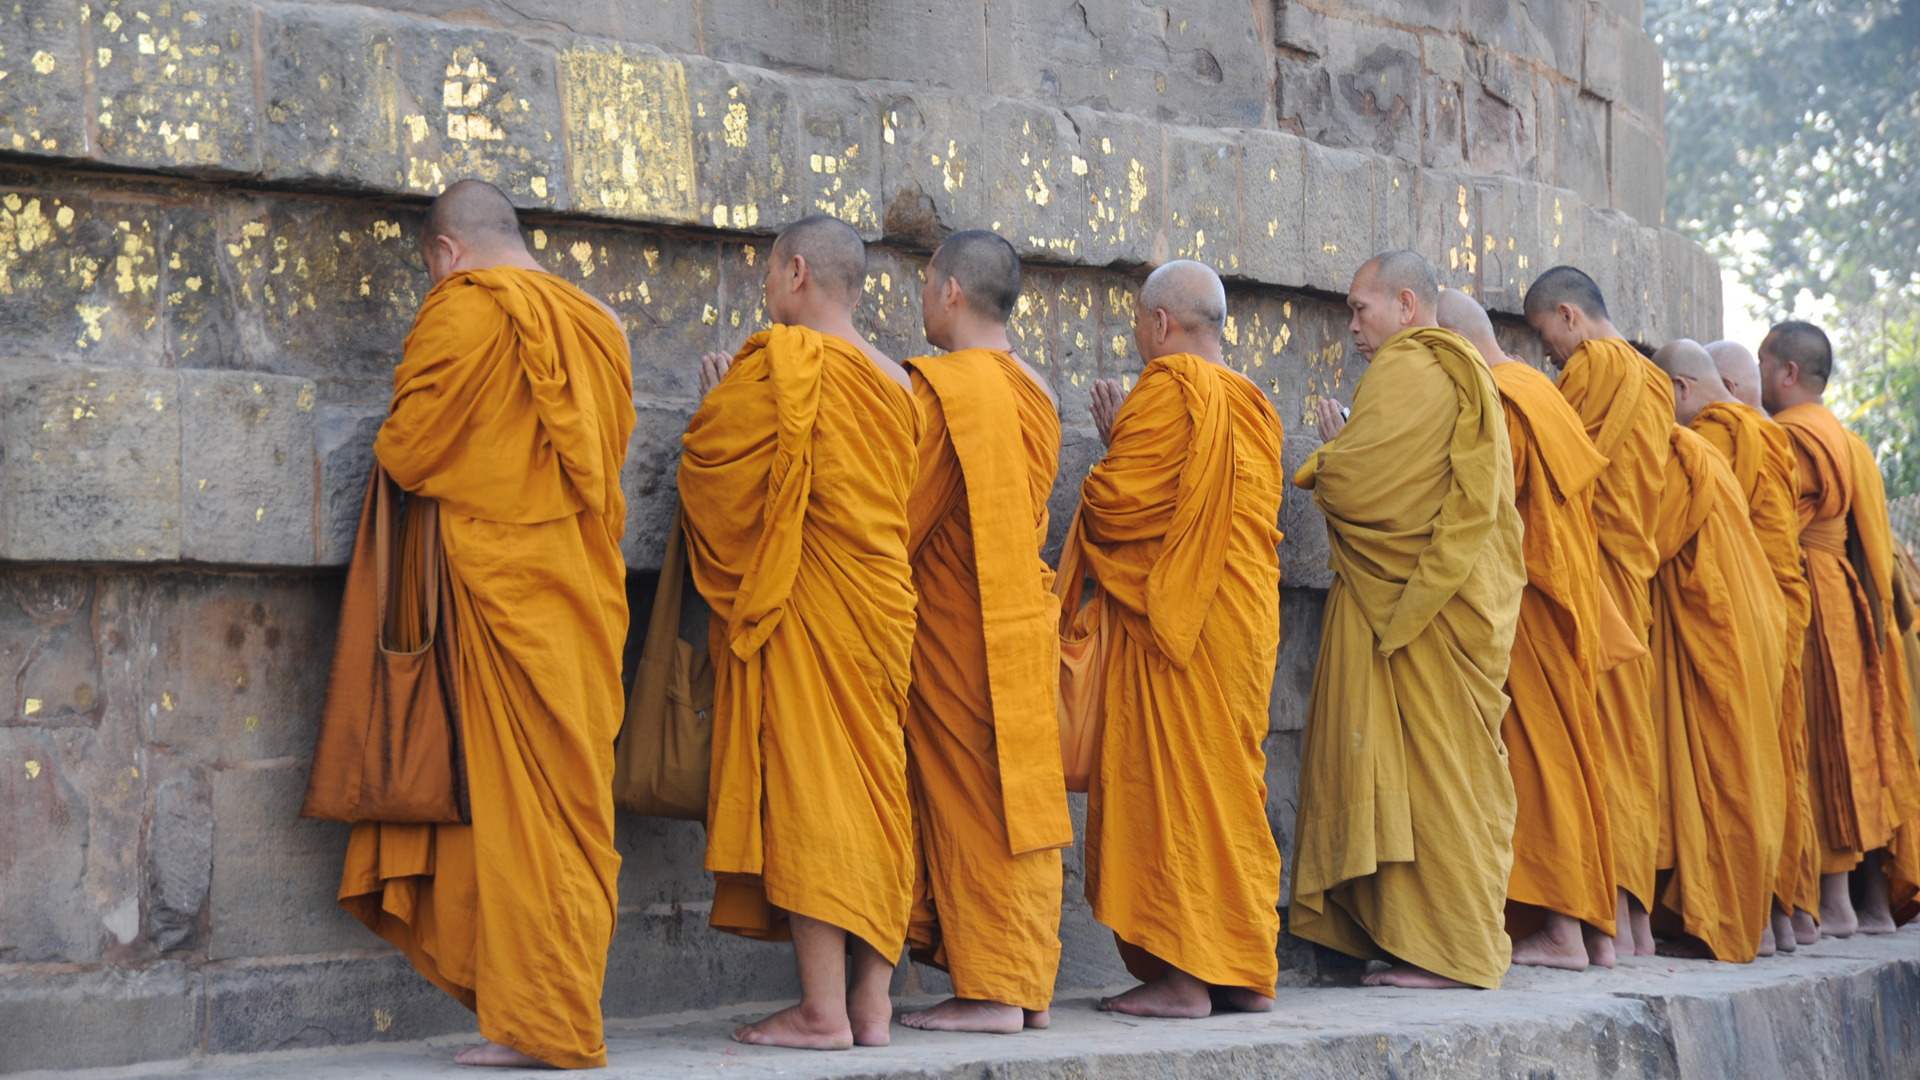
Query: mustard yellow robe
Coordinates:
[794,482]
[1403,846]
[1180,532]
[983,742]
[1562,848]
[1719,627]
[1627,406]
[512,408]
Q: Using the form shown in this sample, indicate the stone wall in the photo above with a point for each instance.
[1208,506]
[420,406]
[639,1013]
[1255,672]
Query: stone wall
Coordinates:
[209,220]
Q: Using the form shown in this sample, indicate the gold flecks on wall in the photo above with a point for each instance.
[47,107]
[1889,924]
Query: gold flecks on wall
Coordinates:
[630,135]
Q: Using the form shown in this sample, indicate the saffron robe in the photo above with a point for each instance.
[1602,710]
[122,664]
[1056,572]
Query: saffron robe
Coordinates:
[1562,849]
[794,480]
[1861,768]
[512,407]
[1403,846]
[1719,626]
[983,735]
[1761,455]
[1627,406]
[1179,525]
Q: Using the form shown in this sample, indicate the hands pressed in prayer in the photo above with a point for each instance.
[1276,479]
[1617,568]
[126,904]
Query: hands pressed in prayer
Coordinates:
[1107,397]
[713,368]
[1332,418]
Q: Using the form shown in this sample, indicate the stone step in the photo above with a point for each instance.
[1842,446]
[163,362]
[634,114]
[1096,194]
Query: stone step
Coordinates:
[1836,1010]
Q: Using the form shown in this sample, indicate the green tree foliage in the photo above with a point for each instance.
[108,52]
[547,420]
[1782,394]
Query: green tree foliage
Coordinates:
[1880,400]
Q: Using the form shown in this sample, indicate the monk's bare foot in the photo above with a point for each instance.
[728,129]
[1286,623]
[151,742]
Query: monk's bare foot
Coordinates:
[1642,931]
[1766,942]
[792,1027]
[1837,919]
[1240,999]
[1685,948]
[1785,939]
[1038,1018]
[498,1055]
[969,1014]
[1409,977]
[1558,944]
[1805,930]
[1599,946]
[1876,908]
[1175,995]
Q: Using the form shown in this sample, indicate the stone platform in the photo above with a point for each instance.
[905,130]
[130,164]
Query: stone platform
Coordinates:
[1839,1009]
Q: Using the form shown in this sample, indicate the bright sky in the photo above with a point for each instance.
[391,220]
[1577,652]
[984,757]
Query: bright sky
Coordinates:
[1744,313]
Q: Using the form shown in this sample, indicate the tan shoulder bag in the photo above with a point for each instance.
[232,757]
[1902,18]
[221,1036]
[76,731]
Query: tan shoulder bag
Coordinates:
[665,750]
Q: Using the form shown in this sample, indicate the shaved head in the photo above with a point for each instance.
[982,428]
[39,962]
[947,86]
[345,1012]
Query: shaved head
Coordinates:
[1398,270]
[475,213]
[1804,344]
[1190,293]
[1463,315]
[833,251]
[986,268]
[1738,369]
[1688,359]
[1566,285]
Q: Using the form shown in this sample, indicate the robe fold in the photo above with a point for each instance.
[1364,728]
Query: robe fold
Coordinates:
[1403,846]
[1627,406]
[1761,455]
[1179,521]
[794,480]
[512,407]
[1562,850]
[1719,630]
[1862,783]
[983,734]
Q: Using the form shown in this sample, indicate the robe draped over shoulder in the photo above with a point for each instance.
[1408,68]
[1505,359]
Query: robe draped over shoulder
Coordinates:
[983,742]
[1403,846]
[1179,520]
[794,480]
[512,408]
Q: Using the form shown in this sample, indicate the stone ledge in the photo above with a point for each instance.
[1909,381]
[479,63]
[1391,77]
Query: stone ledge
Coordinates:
[1837,1010]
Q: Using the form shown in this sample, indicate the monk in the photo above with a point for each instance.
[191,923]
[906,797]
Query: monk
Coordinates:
[1761,457]
[1739,371]
[1627,407]
[1179,525]
[1560,896]
[1863,787]
[1719,639]
[512,407]
[1403,848]
[983,734]
[794,482]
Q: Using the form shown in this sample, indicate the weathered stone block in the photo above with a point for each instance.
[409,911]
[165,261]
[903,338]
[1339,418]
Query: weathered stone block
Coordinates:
[1126,187]
[1259,328]
[1580,143]
[650,482]
[333,107]
[1429,14]
[1604,246]
[1443,142]
[247,453]
[1556,32]
[1203,222]
[1396,204]
[1563,220]
[179,856]
[1601,63]
[1449,228]
[287,1006]
[1509,216]
[889,309]
[275,875]
[343,443]
[1339,220]
[1499,118]
[480,104]
[92,464]
[177,91]
[40,100]
[1300,28]
[630,132]
[1303,556]
[1647,286]
[1643,78]
[201,324]
[95,1019]
[1273,166]
[1363,93]
[46,911]
[46,636]
[1300,611]
[80,276]
[1639,171]
[1282,749]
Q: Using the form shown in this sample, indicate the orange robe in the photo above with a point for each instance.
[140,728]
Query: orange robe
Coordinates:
[1627,406]
[983,734]
[1179,523]
[1761,455]
[512,408]
[1719,627]
[1404,844]
[794,482]
[1861,769]
[1562,849]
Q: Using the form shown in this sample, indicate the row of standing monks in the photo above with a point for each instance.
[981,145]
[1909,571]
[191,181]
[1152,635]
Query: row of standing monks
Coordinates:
[1586,674]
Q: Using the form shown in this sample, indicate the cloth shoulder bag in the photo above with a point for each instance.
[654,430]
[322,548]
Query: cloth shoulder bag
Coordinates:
[1083,664]
[664,755]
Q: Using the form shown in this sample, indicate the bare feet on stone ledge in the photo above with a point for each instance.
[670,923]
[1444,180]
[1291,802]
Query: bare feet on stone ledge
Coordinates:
[791,1027]
[1766,942]
[1876,911]
[1409,977]
[1600,947]
[1837,919]
[1785,938]
[1805,930]
[1558,944]
[1175,995]
[1038,1018]
[968,1014]
[498,1055]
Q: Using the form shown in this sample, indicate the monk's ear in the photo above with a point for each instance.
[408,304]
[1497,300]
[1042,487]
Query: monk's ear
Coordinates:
[802,273]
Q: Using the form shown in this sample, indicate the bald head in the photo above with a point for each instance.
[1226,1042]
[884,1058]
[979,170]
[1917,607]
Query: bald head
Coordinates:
[1566,285]
[1398,270]
[1463,315]
[1696,380]
[986,268]
[1738,370]
[833,252]
[1182,309]
[475,213]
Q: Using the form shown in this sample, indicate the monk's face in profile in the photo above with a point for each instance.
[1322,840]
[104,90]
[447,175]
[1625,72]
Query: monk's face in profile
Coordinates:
[1557,327]
[1774,376]
[1377,313]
